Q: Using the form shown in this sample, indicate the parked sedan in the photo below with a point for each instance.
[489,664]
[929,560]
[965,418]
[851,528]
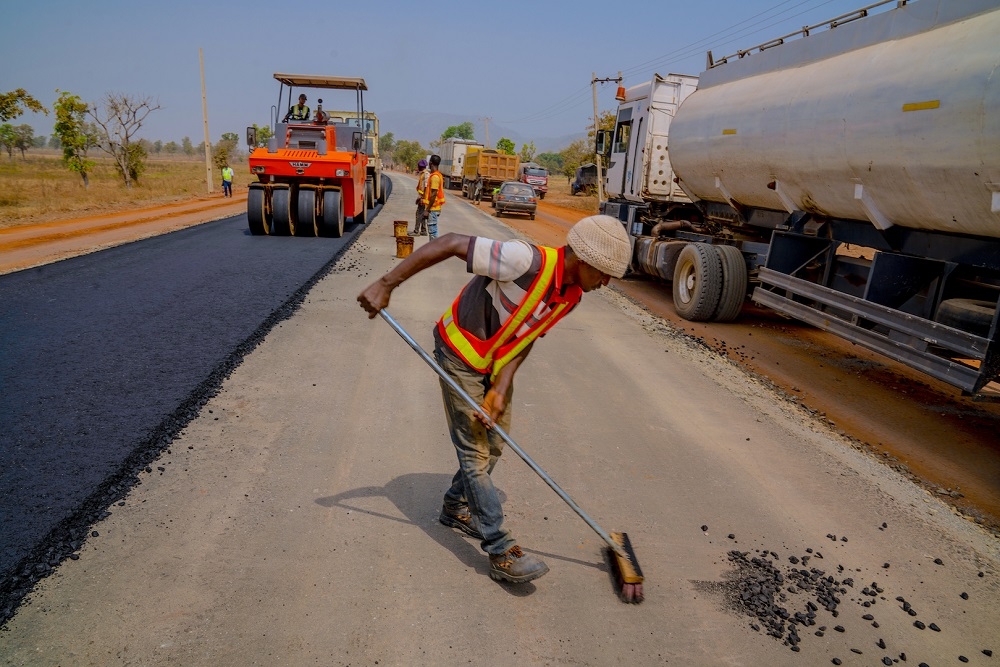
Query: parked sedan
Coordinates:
[516,197]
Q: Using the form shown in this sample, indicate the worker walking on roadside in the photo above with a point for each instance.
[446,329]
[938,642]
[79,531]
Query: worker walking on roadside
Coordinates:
[434,196]
[227,181]
[518,292]
[420,225]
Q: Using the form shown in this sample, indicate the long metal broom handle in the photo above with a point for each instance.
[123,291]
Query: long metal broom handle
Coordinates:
[496,427]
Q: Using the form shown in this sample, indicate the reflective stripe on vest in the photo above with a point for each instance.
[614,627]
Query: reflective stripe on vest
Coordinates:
[439,200]
[493,354]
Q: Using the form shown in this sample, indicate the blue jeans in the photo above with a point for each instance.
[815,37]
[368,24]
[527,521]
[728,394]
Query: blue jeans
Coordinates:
[227,188]
[432,224]
[478,450]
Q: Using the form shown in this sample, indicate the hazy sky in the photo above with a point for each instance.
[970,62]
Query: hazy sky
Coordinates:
[526,65]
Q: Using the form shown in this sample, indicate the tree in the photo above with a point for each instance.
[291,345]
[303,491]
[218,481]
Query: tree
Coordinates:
[40,141]
[465,130]
[577,153]
[408,153]
[76,136]
[158,146]
[54,142]
[7,139]
[24,138]
[186,146]
[386,144]
[505,145]
[225,149]
[528,151]
[551,161]
[605,121]
[263,134]
[171,147]
[120,118]
[15,102]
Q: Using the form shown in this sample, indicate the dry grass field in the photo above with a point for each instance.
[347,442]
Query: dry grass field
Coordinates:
[40,188]
[560,194]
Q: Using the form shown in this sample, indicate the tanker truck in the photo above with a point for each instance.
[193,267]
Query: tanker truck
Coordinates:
[847,175]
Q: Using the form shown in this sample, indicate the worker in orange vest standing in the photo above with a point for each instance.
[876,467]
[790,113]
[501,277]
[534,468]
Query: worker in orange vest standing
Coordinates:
[434,196]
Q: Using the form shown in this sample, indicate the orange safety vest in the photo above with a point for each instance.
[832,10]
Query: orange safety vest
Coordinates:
[439,186]
[489,356]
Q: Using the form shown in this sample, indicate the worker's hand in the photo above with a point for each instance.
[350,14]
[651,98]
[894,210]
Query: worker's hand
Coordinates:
[417,202]
[494,405]
[374,298]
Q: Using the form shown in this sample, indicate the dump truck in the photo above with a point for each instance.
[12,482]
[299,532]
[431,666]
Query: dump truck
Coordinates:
[313,173]
[493,167]
[536,176]
[453,153]
[585,179]
[371,148]
[845,175]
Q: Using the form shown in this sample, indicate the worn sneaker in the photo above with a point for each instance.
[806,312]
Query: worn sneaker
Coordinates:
[461,519]
[516,566]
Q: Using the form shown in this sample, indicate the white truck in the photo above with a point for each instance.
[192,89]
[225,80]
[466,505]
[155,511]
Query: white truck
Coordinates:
[453,152]
[847,175]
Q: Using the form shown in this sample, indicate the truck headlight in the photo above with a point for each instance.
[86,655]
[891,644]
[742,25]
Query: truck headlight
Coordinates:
[343,172]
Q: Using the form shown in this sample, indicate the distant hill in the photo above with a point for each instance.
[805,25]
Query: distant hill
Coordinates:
[425,127]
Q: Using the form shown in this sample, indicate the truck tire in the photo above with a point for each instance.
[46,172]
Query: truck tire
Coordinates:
[380,193]
[331,223]
[361,216]
[971,315]
[283,208]
[697,282]
[369,193]
[734,283]
[304,223]
[258,215]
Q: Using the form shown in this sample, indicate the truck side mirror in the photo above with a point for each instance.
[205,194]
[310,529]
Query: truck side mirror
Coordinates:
[356,141]
[603,142]
[251,138]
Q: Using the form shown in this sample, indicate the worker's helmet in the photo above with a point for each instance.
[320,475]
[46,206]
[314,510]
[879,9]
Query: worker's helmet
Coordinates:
[422,164]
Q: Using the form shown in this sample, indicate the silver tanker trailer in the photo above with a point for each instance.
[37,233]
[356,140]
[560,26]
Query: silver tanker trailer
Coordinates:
[847,175]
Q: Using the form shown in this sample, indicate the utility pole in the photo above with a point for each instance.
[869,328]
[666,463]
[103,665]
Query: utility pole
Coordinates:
[486,123]
[204,114]
[597,156]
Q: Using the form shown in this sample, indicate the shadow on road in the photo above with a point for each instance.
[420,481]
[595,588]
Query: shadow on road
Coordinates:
[418,498]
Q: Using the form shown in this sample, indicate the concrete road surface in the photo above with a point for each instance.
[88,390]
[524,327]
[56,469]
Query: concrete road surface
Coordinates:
[295,522]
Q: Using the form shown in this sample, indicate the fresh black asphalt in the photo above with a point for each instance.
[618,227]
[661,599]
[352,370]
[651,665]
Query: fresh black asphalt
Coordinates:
[104,358]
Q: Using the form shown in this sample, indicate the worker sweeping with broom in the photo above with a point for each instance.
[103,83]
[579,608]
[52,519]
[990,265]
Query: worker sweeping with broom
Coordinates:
[518,292]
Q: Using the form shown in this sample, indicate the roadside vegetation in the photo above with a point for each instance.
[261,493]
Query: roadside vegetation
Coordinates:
[39,188]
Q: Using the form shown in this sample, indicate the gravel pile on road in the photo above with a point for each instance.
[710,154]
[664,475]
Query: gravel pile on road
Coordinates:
[791,600]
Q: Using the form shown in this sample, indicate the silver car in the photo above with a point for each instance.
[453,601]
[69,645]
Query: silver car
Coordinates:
[516,197]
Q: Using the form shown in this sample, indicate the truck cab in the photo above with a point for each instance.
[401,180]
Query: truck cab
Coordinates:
[639,161]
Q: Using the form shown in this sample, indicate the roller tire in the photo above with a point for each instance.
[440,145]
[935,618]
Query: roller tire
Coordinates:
[305,221]
[971,315]
[283,210]
[258,216]
[697,282]
[331,222]
[734,283]
[369,193]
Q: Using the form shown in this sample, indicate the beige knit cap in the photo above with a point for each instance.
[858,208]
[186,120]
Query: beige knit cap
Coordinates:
[602,242]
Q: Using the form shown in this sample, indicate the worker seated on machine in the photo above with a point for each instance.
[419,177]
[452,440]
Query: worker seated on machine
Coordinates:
[321,116]
[299,112]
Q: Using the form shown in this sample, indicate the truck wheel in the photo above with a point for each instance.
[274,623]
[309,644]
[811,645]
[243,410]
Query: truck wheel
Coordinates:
[734,283]
[361,216]
[697,282]
[380,190]
[305,222]
[970,315]
[369,193]
[281,205]
[258,215]
[331,222]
